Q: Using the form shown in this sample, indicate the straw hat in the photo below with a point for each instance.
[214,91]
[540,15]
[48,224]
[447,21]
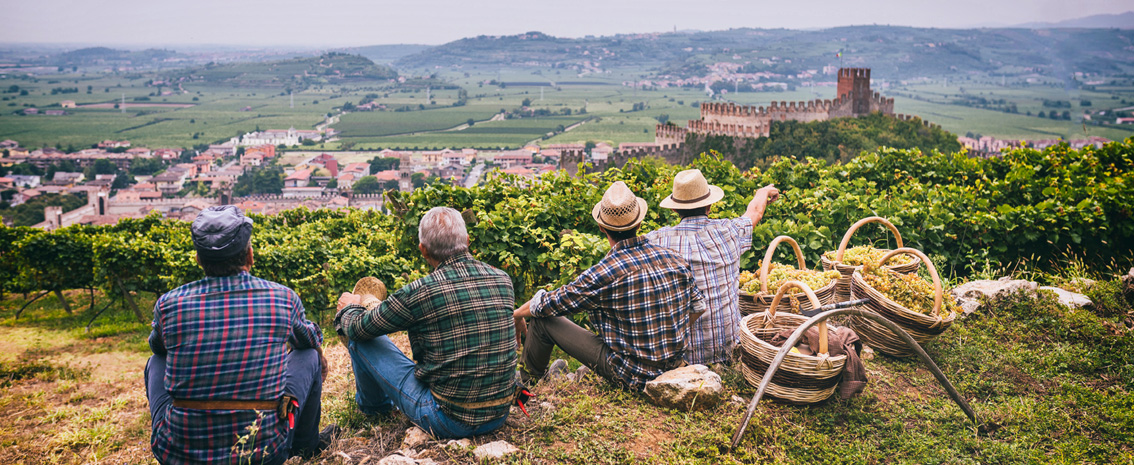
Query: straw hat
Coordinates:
[620,209]
[691,190]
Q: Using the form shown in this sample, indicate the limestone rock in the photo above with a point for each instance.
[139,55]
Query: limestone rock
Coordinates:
[969,294]
[494,450]
[458,444]
[867,353]
[1068,298]
[686,388]
[397,460]
[415,437]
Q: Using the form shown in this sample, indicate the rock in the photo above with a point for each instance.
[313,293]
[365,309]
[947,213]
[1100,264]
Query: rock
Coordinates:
[737,400]
[415,437]
[686,388]
[1128,281]
[1068,298]
[546,406]
[426,462]
[969,294]
[458,444]
[867,353]
[494,450]
[397,460]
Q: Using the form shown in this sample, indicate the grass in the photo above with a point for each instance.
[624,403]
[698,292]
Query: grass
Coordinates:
[1052,384]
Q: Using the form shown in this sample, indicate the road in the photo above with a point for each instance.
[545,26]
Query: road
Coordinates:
[474,175]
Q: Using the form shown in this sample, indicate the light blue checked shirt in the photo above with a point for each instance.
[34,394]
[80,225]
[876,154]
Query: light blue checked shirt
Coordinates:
[713,249]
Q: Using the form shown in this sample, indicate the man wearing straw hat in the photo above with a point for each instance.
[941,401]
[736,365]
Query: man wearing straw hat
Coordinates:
[713,248]
[640,298]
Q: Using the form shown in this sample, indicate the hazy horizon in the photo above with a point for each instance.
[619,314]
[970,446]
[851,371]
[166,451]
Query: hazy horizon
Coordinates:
[216,23]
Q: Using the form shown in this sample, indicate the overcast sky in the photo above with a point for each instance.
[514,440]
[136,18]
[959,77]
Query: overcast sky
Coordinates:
[322,23]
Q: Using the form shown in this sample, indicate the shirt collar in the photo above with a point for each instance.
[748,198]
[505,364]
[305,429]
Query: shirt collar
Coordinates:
[628,243]
[456,258]
[694,219]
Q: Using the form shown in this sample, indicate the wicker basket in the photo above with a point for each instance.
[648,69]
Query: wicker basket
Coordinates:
[795,303]
[800,379]
[923,328]
[843,286]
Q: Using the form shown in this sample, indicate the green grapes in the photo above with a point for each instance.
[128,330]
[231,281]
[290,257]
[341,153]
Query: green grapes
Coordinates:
[778,274]
[865,254]
[908,290]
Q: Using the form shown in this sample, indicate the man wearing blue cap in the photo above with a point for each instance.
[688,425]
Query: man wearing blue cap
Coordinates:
[222,383]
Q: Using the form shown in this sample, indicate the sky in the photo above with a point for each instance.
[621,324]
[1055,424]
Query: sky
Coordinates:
[342,23]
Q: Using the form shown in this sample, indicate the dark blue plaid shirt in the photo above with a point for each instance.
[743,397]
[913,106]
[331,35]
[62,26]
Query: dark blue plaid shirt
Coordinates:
[639,298]
[225,339]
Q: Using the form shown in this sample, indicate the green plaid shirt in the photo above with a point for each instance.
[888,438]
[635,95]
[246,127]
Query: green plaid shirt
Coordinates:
[459,320]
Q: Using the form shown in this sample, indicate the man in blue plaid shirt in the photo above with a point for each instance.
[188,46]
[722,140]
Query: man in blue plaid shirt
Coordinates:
[640,298]
[713,248]
[222,367]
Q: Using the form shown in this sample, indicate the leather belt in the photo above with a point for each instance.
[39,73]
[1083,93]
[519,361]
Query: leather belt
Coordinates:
[473,405]
[227,404]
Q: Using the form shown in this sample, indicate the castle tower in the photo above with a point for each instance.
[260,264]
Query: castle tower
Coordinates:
[855,84]
[405,173]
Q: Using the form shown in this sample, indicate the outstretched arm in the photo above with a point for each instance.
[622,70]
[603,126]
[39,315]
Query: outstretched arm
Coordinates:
[759,203]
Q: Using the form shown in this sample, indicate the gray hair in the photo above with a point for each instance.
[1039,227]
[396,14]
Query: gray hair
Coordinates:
[442,232]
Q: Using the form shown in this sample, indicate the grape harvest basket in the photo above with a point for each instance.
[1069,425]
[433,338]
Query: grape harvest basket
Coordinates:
[843,286]
[922,327]
[793,303]
[800,379]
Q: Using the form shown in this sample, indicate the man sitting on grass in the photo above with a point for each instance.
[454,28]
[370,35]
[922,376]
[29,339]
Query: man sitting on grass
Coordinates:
[460,330]
[222,385]
[640,298]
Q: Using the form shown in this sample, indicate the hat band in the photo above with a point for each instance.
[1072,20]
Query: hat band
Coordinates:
[698,199]
[623,225]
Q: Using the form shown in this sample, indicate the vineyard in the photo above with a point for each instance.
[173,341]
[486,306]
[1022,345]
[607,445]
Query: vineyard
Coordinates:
[967,213]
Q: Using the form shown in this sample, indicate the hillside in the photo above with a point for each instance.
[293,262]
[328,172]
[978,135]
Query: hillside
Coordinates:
[898,52]
[332,67]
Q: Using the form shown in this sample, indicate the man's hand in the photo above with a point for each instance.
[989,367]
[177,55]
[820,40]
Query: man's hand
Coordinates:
[348,299]
[760,201]
[525,310]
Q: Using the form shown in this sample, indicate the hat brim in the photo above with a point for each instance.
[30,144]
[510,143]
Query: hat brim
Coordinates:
[715,195]
[642,206]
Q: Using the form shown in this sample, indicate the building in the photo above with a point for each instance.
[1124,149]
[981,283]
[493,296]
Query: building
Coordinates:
[512,158]
[300,178]
[167,154]
[63,178]
[853,98]
[67,104]
[287,137]
[454,173]
[54,112]
[9,144]
[25,181]
[252,159]
[114,144]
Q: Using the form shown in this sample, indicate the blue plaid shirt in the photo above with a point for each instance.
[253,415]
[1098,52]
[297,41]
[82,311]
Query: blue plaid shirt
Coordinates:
[713,249]
[225,339]
[639,298]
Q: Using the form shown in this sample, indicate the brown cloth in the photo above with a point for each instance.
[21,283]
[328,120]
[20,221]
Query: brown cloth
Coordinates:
[840,341]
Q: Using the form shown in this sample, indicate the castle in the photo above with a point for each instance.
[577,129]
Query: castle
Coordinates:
[729,119]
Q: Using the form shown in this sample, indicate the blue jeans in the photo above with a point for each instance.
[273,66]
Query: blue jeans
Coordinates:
[384,380]
[302,380]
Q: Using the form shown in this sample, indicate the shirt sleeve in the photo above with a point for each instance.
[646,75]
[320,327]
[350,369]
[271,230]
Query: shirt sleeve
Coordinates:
[581,294]
[157,344]
[304,333]
[742,227]
[392,315]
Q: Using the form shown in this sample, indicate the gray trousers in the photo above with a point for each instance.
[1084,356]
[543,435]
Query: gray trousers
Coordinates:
[585,346]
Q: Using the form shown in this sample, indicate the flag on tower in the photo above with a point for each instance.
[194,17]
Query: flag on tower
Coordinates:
[838,54]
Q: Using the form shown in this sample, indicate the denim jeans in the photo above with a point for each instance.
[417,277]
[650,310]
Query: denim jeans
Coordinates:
[384,380]
[302,380]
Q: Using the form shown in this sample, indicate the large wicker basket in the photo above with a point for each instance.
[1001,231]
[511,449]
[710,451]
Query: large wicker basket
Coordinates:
[923,328]
[843,286]
[795,303]
[800,379]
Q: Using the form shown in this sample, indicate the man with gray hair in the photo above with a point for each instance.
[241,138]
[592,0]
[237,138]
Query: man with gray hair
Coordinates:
[460,329]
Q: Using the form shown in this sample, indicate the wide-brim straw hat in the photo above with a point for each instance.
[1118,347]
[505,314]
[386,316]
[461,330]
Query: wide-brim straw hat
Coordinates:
[691,190]
[619,209]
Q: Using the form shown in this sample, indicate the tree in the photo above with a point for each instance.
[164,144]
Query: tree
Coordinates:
[384,164]
[470,122]
[265,180]
[367,185]
[527,102]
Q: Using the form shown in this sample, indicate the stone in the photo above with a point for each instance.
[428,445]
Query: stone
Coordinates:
[415,437]
[969,294]
[737,400]
[397,460]
[1068,298]
[458,444]
[1128,281]
[494,450]
[692,387]
[867,353]
[546,406]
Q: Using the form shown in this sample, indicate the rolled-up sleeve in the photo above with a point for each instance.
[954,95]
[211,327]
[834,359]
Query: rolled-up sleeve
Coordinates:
[392,315]
[305,334]
[581,294]
[742,227]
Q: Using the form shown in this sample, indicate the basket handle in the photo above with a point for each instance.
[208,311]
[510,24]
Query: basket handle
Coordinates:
[938,292]
[814,303]
[764,266]
[858,224]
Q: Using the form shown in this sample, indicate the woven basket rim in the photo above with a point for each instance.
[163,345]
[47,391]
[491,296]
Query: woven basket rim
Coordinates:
[746,333]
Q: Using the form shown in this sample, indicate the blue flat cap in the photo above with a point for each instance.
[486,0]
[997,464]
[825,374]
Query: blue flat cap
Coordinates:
[221,232]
